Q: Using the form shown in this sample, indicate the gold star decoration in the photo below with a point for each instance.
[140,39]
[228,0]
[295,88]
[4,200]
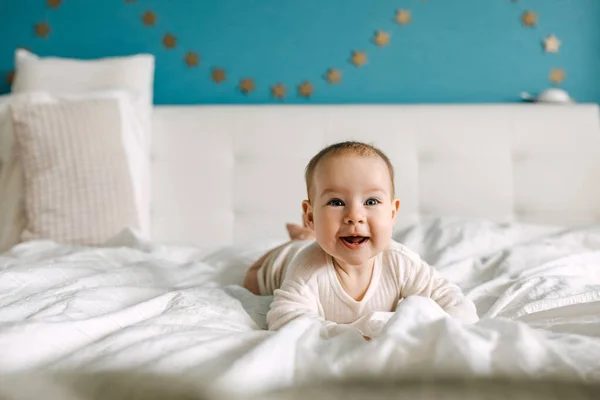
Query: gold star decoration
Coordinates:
[169,41]
[278,91]
[359,58]
[381,38]
[10,77]
[149,18]
[54,3]
[42,29]
[333,76]
[218,75]
[557,76]
[192,59]
[305,89]
[529,18]
[247,85]
[552,44]
[403,17]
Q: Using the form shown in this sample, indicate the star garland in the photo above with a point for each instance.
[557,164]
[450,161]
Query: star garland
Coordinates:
[551,44]
[305,89]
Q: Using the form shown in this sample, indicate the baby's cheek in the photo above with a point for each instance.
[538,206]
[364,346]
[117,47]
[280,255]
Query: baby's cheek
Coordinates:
[382,229]
[322,230]
[325,220]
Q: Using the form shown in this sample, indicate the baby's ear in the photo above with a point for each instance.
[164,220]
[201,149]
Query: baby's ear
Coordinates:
[395,208]
[307,214]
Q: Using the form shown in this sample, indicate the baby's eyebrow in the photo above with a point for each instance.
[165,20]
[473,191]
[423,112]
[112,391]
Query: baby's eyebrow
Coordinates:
[376,189]
[328,191]
[338,191]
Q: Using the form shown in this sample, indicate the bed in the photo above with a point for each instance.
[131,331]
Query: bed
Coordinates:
[504,200]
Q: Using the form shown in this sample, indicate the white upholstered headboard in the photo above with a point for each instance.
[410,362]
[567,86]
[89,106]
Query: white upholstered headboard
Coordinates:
[231,174]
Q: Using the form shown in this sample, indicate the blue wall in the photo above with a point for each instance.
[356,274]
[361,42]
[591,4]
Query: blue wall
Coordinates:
[452,51]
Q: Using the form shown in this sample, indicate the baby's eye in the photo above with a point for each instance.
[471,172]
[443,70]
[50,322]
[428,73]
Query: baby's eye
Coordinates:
[335,203]
[371,202]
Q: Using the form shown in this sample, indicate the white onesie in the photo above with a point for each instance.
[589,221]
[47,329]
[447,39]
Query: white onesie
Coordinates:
[302,278]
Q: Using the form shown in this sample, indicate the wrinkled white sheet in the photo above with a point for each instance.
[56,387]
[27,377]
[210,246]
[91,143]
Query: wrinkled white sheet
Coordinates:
[140,306]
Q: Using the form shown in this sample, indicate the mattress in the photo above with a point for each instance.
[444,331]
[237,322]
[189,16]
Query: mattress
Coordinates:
[137,305]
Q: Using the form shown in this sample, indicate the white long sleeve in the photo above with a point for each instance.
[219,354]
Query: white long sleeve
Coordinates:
[421,279]
[295,300]
[311,289]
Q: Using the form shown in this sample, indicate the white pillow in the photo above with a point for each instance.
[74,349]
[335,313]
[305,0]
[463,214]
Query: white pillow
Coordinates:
[56,75]
[12,209]
[68,76]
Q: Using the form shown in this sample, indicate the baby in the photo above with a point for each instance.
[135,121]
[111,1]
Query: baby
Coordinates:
[343,265]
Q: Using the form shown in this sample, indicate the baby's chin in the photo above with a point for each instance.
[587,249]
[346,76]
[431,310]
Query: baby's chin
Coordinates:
[358,262]
[349,257]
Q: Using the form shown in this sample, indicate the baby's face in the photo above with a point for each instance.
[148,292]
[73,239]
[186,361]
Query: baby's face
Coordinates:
[351,209]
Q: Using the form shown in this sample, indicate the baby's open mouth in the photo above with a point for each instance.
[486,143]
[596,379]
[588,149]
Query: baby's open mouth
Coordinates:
[355,239]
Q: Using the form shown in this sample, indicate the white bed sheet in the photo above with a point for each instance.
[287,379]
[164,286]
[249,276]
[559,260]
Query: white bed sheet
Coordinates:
[140,306]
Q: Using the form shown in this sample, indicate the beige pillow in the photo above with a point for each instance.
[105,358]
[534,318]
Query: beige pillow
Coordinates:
[77,184]
[132,74]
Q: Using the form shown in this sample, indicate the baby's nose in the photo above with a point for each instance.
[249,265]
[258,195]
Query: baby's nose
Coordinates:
[354,217]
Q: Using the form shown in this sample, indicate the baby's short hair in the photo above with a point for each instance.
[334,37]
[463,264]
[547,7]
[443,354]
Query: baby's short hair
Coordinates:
[346,148]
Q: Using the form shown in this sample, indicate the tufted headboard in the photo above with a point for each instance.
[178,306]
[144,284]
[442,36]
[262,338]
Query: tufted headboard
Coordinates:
[232,174]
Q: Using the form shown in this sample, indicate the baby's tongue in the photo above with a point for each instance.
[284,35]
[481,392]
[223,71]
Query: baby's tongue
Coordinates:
[354,239]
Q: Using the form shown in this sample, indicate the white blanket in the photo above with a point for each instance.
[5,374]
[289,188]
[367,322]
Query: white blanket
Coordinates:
[140,306]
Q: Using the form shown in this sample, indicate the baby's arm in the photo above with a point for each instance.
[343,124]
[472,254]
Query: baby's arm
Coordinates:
[296,299]
[423,280]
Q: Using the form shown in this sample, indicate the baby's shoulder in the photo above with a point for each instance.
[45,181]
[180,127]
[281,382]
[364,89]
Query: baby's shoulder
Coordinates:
[397,253]
[309,263]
